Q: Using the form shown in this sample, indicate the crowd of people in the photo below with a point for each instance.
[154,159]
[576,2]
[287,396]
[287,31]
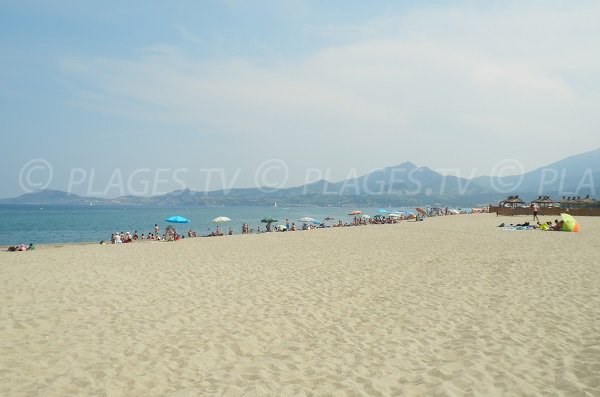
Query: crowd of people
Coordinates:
[170,233]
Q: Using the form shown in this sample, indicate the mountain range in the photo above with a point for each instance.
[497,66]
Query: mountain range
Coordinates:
[401,185]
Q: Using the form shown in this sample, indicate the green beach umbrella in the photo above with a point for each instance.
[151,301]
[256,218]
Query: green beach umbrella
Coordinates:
[569,223]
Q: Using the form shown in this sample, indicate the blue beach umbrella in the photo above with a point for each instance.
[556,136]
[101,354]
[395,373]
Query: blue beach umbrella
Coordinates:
[382,211]
[177,219]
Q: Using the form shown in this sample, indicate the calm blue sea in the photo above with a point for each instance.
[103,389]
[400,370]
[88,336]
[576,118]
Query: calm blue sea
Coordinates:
[63,224]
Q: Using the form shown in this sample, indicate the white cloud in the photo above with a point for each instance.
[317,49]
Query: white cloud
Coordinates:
[434,74]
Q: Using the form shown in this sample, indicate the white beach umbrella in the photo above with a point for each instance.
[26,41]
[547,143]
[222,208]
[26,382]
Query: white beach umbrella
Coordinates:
[306,219]
[221,219]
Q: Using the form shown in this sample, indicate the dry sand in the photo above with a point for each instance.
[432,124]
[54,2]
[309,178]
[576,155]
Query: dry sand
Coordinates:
[450,306]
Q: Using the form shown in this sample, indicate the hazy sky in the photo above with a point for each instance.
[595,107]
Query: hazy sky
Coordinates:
[129,93]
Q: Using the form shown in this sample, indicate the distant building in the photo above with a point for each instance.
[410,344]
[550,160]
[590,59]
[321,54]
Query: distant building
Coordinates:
[577,202]
[545,202]
[512,202]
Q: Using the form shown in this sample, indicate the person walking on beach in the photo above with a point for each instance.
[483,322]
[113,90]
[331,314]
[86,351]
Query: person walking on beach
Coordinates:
[156,230]
[535,209]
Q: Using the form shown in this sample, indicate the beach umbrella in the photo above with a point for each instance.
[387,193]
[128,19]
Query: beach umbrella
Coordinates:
[268,219]
[177,219]
[221,219]
[365,216]
[316,222]
[356,212]
[306,219]
[421,211]
[394,215]
[382,211]
[569,223]
[329,218]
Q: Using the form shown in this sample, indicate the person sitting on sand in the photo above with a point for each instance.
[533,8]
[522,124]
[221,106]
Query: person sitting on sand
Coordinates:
[31,247]
[230,232]
[293,227]
[558,225]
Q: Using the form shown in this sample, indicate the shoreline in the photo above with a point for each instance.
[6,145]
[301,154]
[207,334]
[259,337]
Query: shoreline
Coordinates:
[46,246]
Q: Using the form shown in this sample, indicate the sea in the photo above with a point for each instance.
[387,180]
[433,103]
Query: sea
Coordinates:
[24,224]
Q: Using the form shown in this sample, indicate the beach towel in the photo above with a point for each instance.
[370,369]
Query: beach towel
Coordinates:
[517,228]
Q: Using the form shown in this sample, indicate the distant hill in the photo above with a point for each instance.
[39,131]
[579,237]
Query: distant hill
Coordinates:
[402,185]
[49,196]
[574,175]
[405,180]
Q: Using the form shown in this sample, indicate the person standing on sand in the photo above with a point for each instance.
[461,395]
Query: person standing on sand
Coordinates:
[156,230]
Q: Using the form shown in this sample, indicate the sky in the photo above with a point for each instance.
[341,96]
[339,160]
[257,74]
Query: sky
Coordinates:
[122,97]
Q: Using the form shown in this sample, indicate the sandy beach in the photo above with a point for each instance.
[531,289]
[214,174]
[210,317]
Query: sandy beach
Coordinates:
[451,306]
